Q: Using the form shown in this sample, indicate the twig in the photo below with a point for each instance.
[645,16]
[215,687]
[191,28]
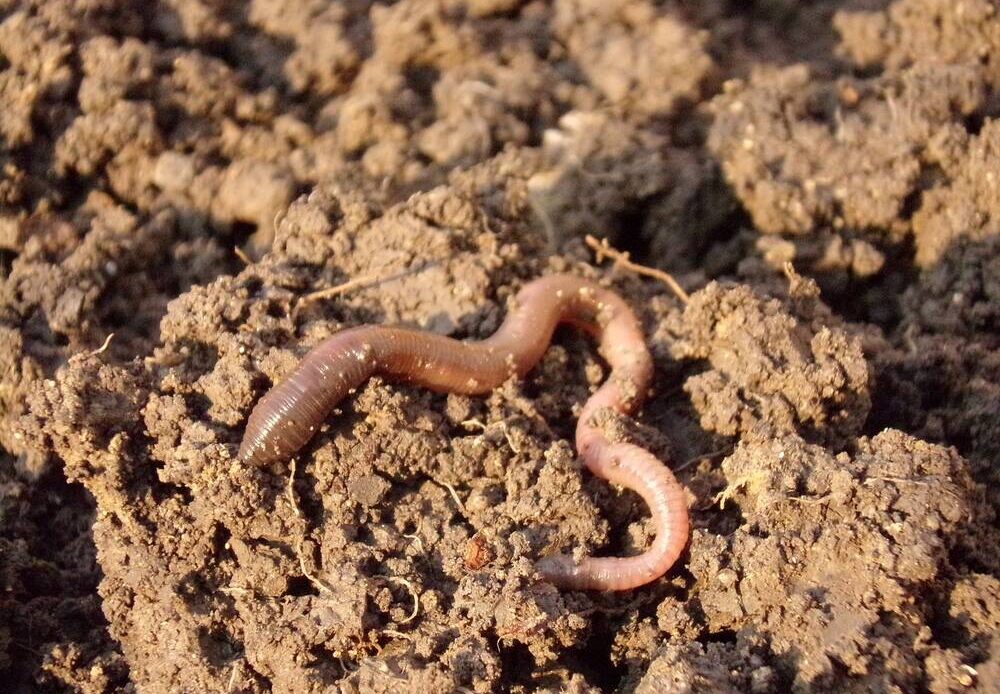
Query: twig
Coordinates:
[454,495]
[290,490]
[602,249]
[315,580]
[237,666]
[415,536]
[471,423]
[104,347]
[238,252]
[809,499]
[898,480]
[372,278]
[338,289]
[413,592]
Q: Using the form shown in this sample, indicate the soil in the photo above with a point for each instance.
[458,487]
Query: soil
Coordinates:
[177,179]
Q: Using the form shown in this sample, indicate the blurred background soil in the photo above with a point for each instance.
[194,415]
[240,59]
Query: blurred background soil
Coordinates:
[178,177]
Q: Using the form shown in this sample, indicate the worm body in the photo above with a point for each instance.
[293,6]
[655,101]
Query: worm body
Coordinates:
[287,417]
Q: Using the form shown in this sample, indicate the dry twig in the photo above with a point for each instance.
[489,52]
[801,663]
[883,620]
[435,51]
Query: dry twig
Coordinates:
[103,348]
[315,580]
[239,253]
[339,289]
[413,591]
[603,249]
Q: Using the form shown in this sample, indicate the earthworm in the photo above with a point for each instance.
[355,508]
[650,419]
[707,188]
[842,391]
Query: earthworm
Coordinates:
[286,418]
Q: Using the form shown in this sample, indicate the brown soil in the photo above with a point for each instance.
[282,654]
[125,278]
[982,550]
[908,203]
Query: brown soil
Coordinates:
[823,178]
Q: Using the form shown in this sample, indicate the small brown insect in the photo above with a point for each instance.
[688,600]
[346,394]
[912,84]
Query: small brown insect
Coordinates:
[477,553]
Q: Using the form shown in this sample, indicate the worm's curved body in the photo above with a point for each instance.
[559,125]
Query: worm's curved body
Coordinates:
[287,417]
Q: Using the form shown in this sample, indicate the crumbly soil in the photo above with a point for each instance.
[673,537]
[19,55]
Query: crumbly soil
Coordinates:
[179,177]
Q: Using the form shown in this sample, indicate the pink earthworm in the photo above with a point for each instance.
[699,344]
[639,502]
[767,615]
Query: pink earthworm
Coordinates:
[286,418]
